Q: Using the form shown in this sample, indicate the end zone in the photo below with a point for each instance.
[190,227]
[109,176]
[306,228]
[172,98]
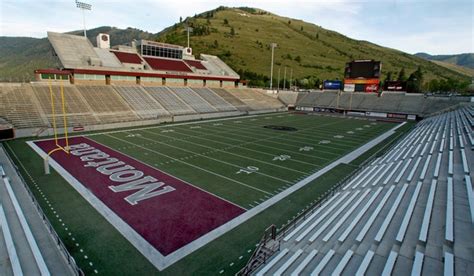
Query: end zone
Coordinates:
[158,213]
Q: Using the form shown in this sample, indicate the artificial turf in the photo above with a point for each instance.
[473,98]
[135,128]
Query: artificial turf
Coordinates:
[208,154]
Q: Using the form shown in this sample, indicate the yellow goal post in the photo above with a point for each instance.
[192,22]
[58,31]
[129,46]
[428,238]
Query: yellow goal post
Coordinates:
[59,147]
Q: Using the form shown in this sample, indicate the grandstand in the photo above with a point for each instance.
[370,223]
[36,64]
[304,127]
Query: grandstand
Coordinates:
[409,211]
[387,102]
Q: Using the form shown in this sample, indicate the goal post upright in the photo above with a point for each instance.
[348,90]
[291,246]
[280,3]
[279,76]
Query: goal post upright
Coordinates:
[55,128]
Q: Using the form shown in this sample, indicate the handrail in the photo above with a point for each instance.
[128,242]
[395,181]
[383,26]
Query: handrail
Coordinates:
[70,259]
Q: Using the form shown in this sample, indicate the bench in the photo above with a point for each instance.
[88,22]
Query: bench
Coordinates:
[409,213]
[391,213]
[304,263]
[365,263]
[427,215]
[323,263]
[288,263]
[374,215]
[449,231]
[361,213]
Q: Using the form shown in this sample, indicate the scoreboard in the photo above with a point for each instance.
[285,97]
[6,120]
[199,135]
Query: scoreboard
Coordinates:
[367,69]
[362,76]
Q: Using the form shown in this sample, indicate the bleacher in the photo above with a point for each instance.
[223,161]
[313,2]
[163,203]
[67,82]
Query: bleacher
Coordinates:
[215,100]
[18,107]
[410,211]
[238,104]
[107,104]
[27,246]
[141,102]
[255,99]
[163,64]
[168,99]
[193,99]
[78,112]
[389,102]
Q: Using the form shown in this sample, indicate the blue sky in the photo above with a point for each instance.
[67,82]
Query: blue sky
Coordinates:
[436,27]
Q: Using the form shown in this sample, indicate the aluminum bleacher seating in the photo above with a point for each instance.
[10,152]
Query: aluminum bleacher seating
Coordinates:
[215,100]
[169,100]
[193,99]
[142,103]
[390,225]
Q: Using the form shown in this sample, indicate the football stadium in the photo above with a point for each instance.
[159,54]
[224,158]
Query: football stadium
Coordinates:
[144,159]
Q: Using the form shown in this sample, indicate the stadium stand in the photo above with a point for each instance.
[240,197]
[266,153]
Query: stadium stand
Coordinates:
[164,64]
[230,98]
[196,64]
[288,97]
[377,225]
[169,100]
[18,106]
[193,99]
[142,103]
[108,106]
[215,100]
[389,102]
[27,246]
[78,111]
[128,57]
[255,99]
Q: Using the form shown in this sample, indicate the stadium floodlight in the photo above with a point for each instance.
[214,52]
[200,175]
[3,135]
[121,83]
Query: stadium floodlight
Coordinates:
[273,45]
[83,6]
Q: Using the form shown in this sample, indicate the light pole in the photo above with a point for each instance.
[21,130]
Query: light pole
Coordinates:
[278,87]
[83,6]
[291,77]
[189,30]
[284,79]
[273,45]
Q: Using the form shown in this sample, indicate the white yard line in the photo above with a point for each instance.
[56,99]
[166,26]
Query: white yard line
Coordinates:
[226,152]
[191,165]
[214,159]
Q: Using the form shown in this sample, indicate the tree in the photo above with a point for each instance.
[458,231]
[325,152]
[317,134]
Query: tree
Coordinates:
[216,44]
[401,75]
[301,28]
[226,22]
[317,35]
[232,31]
[180,19]
[289,22]
[298,58]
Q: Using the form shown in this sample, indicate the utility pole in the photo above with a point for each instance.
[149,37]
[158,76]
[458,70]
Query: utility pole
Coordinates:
[278,87]
[284,79]
[273,45]
[291,77]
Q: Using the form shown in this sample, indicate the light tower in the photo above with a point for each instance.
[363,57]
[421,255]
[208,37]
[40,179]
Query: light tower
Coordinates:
[83,6]
[273,45]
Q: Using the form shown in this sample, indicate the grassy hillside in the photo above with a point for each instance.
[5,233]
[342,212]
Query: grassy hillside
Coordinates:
[241,37]
[464,60]
[457,68]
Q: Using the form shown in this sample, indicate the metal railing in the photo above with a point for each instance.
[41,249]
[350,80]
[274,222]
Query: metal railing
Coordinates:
[62,248]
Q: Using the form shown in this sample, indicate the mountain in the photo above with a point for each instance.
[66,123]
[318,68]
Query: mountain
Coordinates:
[464,60]
[241,37]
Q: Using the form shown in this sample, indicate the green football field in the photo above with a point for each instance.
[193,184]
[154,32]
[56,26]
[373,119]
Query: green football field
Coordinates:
[240,160]
[237,159]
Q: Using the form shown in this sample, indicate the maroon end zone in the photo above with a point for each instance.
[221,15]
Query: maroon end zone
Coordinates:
[165,211]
